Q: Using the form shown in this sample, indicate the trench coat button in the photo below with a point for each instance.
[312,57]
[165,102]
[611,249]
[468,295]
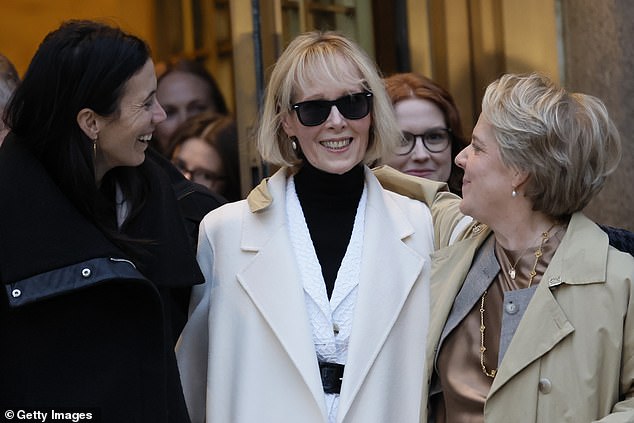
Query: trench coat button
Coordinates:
[335,328]
[545,386]
[511,308]
[16,293]
[85,272]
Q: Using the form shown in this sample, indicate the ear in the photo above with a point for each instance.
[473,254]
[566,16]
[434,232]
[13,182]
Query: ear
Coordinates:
[519,178]
[288,125]
[88,121]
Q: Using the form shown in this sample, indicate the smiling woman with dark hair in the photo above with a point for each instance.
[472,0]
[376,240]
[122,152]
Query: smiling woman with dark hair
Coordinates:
[93,248]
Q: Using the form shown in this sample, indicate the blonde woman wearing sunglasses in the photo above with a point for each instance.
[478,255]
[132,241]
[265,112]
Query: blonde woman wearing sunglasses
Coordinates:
[316,300]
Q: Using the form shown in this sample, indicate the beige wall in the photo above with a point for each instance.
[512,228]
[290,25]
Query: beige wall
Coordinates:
[24,23]
[466,44]
[599,46]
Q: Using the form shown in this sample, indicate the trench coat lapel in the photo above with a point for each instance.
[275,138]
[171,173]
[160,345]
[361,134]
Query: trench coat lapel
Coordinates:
[542,327]
[483,270]
[383,287]
[274,270]
[545,324]
[450,266]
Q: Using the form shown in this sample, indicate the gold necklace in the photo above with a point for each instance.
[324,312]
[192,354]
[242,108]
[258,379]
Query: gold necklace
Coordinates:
[482,347]
[538,253]
[512,269]
[544,237]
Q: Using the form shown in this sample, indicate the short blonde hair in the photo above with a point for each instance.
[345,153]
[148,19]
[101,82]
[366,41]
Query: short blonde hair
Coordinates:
[565,141]
[311,57]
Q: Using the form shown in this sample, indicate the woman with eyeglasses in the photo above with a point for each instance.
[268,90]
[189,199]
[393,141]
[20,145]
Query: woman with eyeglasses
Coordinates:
[205,149]
[316,300]
[431,128]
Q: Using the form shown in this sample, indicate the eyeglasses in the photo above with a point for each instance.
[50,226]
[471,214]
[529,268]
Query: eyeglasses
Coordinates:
[352,106]
[435,141]
[200,176]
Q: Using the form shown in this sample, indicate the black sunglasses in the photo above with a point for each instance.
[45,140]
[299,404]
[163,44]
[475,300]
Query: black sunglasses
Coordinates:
[351,106]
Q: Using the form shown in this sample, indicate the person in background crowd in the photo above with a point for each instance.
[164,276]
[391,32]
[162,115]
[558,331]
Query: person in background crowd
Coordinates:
[9,80]
[425,112]
[315,305]
[533,303]
[205,149]
[185,89]
[92,239]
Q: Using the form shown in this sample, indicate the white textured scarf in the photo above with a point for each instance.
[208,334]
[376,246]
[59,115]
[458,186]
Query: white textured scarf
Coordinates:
[327,317]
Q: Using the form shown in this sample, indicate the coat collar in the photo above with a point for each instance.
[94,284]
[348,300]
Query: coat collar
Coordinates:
[383,287]
[35,218]
[544,324]
[35,223]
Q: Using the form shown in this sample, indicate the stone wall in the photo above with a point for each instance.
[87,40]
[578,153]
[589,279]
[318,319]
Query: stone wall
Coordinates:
[598,40]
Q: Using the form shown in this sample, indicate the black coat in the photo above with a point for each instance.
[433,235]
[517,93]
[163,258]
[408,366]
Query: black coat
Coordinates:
[80,325]
[620,238]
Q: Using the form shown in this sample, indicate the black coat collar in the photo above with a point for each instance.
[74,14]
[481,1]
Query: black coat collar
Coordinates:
[40,230]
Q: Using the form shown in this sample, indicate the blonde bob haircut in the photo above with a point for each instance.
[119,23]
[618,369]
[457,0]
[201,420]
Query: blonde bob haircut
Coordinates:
[565,142]
[316,58]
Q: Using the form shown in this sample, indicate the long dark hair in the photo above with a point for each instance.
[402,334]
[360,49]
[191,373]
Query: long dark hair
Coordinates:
[82,64]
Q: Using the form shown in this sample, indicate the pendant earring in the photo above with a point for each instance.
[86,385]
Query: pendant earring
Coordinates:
[294,143]
[94,149]
[514,193]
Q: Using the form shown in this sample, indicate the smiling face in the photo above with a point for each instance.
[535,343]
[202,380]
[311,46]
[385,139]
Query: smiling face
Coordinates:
[338,144]
[487,182]
[182,95]
[418,116]
[123,138]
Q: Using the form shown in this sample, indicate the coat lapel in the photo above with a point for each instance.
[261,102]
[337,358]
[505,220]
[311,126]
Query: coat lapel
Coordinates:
[545,323]
[542,327]
[266,234]
[447,278]
[383,287]
[483,270]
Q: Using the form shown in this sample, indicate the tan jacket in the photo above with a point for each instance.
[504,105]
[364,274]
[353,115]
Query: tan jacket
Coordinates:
[247,353]
[572,357]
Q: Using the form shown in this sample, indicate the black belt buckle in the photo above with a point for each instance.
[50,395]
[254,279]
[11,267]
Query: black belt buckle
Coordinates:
[331,377]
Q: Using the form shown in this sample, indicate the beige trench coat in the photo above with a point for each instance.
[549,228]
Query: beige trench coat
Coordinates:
[572,357]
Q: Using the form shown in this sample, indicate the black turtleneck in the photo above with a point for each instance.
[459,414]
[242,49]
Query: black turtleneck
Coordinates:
[329,203]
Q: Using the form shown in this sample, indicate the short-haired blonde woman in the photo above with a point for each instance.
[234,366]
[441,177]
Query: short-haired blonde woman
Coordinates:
[532,316]
[315,306]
